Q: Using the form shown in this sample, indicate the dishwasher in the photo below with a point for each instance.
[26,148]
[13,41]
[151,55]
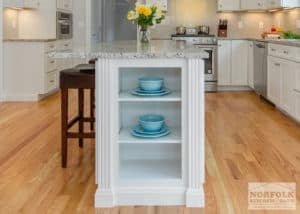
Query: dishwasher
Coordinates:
[260,68]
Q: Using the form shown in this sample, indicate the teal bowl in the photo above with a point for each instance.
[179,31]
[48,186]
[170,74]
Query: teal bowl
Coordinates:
[151,122]
[151,83]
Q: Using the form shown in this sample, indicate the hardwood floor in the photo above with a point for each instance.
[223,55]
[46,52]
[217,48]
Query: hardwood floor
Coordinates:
[247,140]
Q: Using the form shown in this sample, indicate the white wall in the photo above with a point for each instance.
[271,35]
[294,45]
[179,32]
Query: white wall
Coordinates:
[79,29]
[1,50]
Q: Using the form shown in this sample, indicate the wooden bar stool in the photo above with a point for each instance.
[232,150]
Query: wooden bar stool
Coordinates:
[74,79]
[90,69]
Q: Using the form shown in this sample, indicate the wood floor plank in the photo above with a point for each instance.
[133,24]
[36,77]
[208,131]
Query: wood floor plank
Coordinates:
[247,140]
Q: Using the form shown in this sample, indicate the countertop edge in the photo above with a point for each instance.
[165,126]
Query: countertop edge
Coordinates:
[280,42]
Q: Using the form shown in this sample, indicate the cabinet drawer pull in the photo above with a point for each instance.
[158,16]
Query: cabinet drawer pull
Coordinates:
[272,49]
[285,52]
[52,62]
[277,64]
[51,81]
[297,90]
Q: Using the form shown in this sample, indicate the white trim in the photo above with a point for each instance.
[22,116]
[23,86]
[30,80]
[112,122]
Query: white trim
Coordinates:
[195,198]
[20,97]
[88,17]
[234,88]
[1,54]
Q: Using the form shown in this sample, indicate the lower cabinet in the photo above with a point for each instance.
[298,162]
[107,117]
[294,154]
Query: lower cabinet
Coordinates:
[284,85]
[36,74]
[239,63]
[251,64]
[224,62]
[296,93]
[274,80]
[233,63]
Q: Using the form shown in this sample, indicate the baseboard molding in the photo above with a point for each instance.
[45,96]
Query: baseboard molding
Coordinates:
[20,97]
[195,198]
[140,196]
[234,88]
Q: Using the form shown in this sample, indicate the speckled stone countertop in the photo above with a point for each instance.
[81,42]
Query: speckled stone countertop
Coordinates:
[288,42]
[155,49]
[28,40]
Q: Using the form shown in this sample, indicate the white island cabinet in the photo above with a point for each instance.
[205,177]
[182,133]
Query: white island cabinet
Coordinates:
[161,171]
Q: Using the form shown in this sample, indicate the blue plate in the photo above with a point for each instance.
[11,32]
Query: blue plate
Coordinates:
[148,94]
[140,130]
[165,133]
[139,90]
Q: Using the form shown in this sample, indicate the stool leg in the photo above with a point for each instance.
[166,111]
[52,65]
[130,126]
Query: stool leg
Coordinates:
[92,110]
[80,113]
[64,127]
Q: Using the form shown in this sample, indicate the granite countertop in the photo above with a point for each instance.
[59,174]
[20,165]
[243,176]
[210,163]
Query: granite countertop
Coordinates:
[28,40]
[155,49]
[288,42]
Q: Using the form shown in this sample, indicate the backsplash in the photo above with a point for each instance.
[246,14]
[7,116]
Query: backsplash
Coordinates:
[241,24]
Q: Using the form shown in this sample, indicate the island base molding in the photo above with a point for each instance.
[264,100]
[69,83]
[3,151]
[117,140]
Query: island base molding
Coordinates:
[150,197]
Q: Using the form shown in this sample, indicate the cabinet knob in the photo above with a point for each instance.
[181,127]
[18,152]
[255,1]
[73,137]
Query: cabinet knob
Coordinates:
[285,52]
[297,90]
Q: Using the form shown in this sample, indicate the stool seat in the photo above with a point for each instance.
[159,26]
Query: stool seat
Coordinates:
[74,78]
[86,68]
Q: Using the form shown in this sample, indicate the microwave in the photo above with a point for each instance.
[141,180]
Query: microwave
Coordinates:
[64,25]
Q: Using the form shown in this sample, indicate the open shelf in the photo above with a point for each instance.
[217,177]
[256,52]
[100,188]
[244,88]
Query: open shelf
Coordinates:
[173,137]
[150,169]
[126,96]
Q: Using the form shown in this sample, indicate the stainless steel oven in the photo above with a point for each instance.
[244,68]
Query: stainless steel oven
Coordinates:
[64,25]
[211,76]
[207,43]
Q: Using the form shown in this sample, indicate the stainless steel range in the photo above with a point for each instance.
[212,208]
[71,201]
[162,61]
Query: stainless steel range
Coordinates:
[209,44]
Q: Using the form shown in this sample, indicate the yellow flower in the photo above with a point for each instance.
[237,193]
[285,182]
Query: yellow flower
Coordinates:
[130,15]
[143,10]
[147,11]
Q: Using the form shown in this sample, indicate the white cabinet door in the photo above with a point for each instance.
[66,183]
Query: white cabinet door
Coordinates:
[274,83]
[250,64]
[254,4]
[228,5]
[296,113]
[239,63]
[21,3]
[287,69]
[283,3]
[224,62]
[68,4]
[64,4]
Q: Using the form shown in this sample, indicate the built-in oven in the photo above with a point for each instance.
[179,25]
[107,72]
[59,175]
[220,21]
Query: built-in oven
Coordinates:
[211,75]
[64,25]
[207,43]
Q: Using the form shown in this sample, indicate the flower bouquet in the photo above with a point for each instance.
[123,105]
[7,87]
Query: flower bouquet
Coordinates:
[145,16]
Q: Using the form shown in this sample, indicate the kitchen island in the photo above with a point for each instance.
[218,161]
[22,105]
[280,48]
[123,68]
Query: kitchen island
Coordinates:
[156,171]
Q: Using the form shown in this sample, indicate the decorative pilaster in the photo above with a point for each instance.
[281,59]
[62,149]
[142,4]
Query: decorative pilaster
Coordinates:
[196,134]
[105,105]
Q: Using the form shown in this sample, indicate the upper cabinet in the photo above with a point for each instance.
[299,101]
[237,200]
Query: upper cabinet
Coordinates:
[34,4]
[229,5]
[254,4]
[283,3]
[65,5]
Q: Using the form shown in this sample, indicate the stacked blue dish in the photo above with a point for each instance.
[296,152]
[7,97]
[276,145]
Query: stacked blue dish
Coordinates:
[150,87]
[151,126]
